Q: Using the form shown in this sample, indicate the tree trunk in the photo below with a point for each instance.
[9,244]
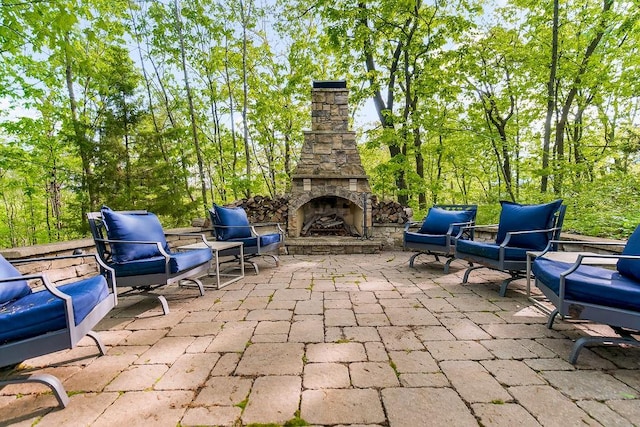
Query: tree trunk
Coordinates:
[192,113]
[551,98]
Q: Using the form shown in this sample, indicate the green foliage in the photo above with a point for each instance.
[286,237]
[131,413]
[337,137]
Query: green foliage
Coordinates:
[95,111]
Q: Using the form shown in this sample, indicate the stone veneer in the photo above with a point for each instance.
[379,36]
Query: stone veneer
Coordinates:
[329,163]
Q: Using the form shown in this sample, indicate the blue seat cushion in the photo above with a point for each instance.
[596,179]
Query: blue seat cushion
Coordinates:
[631,267]
[439,220]
[490,250]
[178,262]
[517,217]
[236,218]
[250,244]
[425,239]
[10,291]
[41,312]
[133,226]
[589,284]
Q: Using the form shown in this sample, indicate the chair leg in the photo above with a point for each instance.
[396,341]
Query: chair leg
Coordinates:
[96,338]
[254,265]
[552,317]
[469,270]
[413,258]
[163,302]
[49,380]
[275,259]
[447,264]
[580,343]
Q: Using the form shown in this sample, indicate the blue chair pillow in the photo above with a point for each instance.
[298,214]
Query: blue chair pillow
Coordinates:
[631,267]
[133,226]
[10,291]
[236,218]
[438,220]
[517,217]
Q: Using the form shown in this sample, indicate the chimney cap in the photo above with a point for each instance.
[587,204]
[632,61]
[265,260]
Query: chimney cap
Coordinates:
[330,84]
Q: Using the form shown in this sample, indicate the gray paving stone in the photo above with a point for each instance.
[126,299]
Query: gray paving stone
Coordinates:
[512,372]
[325,375]
[503,415]
[628,408]
[307,331]
[271,359]
[339,317]
[158,408]
[231,339]
[373,375]
[340,406]
[189,372]
[211,415]
[224,391]
[273,399]
[508,349]
[465,329]
[309,307]
[361,333]
[413,362]
[594,385]
[424,380]
[399,338]
[457,350]
[137,377]
[426,406]
[472,381]
[87,407]
[376,352]
[335,352]
[603,413]
[550,407]
[272,327]
[372,319]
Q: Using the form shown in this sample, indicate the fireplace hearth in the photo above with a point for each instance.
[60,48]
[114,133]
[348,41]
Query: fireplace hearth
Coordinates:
[330,190]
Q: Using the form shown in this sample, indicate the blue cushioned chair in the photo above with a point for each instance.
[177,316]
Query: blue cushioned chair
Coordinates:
[133,243]
[597,294]
[437,234]
[43,320]
[232,224]
[521,228]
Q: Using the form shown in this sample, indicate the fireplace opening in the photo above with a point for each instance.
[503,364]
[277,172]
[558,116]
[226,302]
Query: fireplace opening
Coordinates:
[331,216]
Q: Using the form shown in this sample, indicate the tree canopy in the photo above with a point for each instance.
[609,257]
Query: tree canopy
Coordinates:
[172,105]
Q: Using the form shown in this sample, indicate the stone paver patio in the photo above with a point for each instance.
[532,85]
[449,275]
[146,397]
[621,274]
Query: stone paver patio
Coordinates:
[336,340]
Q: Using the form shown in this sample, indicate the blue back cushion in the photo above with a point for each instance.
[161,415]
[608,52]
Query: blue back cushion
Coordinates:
[231,217]
[438,220]
[10,291]
[631,267]
[133,226]
[517,217]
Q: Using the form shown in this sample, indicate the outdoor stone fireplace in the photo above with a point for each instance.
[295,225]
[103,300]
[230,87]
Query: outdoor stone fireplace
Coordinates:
[330,192]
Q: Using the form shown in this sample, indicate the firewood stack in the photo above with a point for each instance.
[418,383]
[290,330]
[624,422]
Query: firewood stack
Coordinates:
[386,212]
[262,209]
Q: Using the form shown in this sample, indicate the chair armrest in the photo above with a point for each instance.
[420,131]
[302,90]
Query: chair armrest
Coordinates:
[200,235]
[409,224]
[138,242]
[515,233]
[481,225]
[463,226]
[111,273]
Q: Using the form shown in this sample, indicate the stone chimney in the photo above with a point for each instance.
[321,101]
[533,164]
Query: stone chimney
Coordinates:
[329,170]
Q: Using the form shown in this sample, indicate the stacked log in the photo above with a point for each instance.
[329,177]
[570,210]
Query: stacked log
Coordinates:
[262,209]
[386,212]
